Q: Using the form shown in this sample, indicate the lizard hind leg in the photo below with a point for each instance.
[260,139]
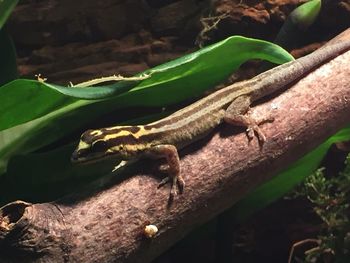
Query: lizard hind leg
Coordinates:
[238,114]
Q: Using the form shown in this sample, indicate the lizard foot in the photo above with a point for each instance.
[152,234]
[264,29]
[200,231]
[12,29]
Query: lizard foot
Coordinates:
[169,152]
[254,129]
[238,113]
[177,182]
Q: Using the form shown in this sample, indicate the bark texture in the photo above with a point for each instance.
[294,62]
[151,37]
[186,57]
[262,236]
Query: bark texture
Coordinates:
[105,222]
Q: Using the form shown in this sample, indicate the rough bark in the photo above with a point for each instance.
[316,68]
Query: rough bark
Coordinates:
[105,222]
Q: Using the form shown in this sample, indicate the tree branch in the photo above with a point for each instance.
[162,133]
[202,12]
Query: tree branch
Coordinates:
[105,222]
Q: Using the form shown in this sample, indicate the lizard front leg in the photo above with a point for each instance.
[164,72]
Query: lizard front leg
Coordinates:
[238,114]
[169,152]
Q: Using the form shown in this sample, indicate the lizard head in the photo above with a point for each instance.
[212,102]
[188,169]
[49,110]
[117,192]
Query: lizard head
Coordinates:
[95,145]
[91,147]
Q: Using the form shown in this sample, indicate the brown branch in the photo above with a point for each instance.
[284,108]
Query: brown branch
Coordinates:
[106,224]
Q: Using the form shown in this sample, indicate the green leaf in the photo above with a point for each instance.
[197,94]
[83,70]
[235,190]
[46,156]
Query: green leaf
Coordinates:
[298,22]
[6,7]
[8,66]
[187,76]
[26,100]
[305,15]
[201,70]
[285,181]
[49,114]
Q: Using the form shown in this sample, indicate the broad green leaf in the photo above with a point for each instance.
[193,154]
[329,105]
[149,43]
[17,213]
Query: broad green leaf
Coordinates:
[6,7]
[57,115]
[305,15]
[187,77]
[297,23]
[201,70]
[8,66]
[184,77]
[285,181]
[26,100]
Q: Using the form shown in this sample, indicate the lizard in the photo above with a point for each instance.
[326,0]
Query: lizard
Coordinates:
[163,138]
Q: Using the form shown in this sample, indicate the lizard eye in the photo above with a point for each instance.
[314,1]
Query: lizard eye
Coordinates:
[99,146]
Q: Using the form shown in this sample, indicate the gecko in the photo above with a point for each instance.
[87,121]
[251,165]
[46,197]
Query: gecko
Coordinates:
[163,138]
